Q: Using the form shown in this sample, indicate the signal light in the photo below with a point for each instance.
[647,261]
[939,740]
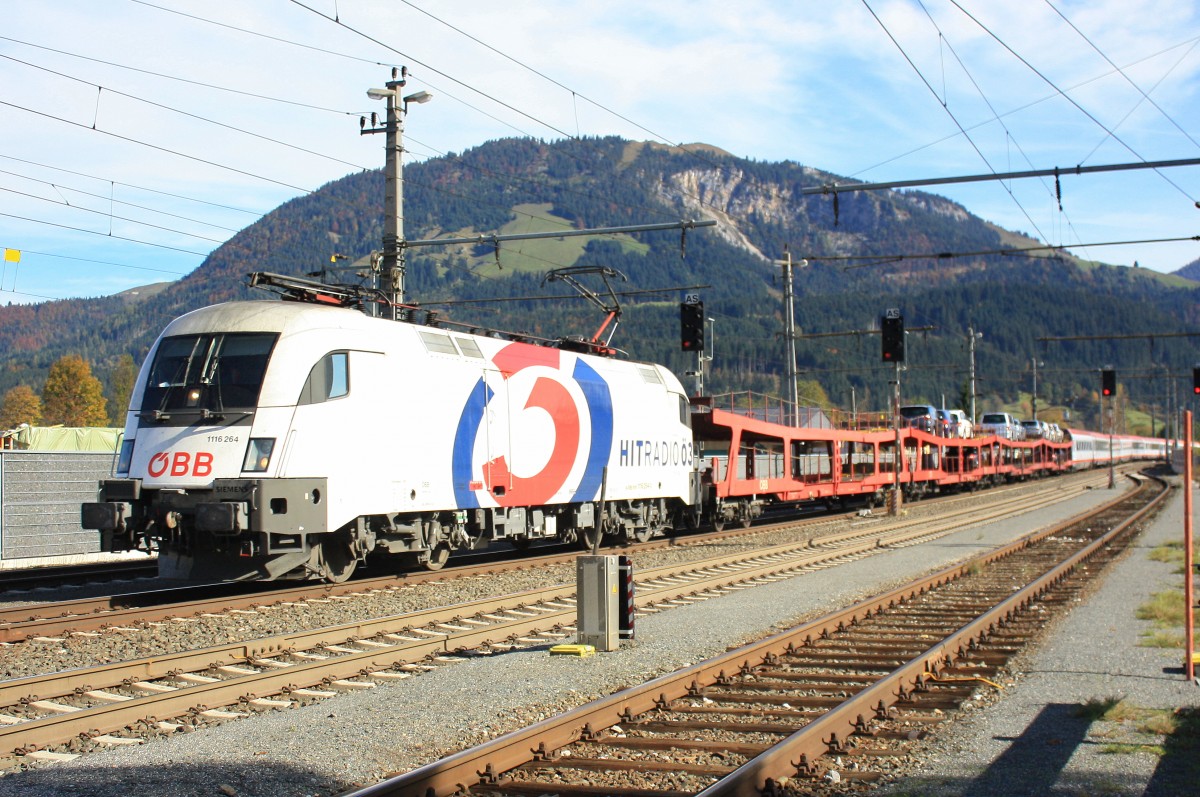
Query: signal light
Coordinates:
[1196,380]
[691,326]
[1108,382]
[891,328]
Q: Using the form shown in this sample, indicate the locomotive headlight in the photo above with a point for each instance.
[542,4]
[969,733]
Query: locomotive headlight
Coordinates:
[125,457]
[258,454]
[193,397]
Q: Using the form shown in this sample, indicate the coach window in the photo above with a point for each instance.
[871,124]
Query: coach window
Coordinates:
[328,379]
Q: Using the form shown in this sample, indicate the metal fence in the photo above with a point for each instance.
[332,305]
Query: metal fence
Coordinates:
[40,494]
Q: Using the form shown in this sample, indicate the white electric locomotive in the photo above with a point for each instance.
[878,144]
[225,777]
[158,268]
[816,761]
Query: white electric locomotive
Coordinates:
[270,439]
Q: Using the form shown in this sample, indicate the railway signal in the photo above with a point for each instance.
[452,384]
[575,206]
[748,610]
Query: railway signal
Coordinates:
[1196,380]
[891,328]
[691,326]
[1108,382]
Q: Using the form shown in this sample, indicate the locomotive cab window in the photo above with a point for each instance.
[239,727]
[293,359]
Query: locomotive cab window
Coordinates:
[685,412]
[328,379]
[213,372]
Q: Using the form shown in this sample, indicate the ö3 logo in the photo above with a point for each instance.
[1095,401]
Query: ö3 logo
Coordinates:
[550,394]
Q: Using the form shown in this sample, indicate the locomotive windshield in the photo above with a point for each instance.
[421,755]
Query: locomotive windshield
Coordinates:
[213,372]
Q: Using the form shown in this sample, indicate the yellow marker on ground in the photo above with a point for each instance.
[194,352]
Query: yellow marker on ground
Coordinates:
[573,650]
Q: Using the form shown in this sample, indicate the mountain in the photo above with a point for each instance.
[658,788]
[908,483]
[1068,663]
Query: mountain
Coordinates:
[525,185]
[1191,271]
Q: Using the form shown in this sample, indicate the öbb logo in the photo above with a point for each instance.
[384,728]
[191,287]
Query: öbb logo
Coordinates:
[181,464]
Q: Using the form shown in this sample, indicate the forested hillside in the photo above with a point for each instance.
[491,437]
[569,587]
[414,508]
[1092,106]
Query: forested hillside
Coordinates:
[1190,271]
[524,185]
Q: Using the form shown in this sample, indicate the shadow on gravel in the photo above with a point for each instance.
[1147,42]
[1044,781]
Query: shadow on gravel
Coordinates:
[1178,770]
[1035,763]
[1034,760]
[170,779]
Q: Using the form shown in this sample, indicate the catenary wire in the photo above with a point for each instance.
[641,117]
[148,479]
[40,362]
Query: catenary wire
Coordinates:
[945,106]
[188,114]
[132,185]
[113,200]
[1145,96]
[1066,96]
[112,216]
[983,252]
[165,76]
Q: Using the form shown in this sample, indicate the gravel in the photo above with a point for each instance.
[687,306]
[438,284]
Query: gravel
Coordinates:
[358,738]
[1036,740]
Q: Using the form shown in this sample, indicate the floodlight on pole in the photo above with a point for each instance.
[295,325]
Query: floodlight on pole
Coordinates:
[392,266]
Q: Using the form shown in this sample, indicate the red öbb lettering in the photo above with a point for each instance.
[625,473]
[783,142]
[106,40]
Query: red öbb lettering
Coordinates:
[181,463]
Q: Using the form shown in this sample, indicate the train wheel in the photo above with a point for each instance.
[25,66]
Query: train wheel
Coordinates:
[643,533]
[718,524]
[590,538]
[337,563]
[520,543]
[745,522]
[691,519]
[438,557]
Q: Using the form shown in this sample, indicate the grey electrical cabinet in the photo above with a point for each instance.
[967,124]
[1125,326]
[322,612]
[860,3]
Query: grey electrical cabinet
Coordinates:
[597,586]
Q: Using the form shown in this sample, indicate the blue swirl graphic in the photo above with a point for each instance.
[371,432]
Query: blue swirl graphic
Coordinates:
[600,411]
[464,444]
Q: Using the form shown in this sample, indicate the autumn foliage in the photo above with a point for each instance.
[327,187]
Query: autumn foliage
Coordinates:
[72,396]
[21,405]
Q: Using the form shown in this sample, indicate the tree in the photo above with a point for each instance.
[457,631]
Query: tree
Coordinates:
[21,405]
[812,394]
[121,386]
[72,396]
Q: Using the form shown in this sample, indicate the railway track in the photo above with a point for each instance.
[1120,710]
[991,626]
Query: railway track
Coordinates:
[820,707]
[66,712]
[101,613]
[59,576]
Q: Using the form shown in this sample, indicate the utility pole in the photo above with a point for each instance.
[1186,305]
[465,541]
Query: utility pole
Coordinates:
[895,507]
[1112,425]
[392,268]
[892,336]
[789,334]
[971,336]
[1033,397]
[710,347]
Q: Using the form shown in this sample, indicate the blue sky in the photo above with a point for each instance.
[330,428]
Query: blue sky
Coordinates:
[111,177]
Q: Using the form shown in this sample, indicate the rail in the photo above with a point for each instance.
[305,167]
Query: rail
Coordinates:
[481,768]
[168,685]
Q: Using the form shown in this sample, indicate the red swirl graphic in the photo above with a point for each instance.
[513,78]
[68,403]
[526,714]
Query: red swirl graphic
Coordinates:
[550,395]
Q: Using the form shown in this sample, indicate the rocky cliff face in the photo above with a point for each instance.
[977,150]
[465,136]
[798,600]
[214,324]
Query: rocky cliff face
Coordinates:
[724,196]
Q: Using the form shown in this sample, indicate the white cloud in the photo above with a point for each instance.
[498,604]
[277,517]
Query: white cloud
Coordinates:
[821,84]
